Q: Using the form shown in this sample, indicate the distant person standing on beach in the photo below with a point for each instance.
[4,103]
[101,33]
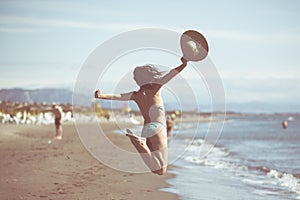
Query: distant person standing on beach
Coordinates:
[170,126]
[284,124]
[153,145]
[58,112]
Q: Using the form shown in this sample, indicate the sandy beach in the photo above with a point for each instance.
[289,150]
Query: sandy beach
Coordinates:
[31,168]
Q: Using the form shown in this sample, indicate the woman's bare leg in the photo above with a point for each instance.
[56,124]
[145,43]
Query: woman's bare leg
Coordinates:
[158,146]
[152,159]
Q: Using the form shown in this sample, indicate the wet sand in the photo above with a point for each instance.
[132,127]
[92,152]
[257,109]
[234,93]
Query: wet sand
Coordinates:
[33,169]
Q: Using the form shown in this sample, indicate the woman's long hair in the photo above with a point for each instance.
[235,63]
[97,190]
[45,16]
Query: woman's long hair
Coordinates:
[152,73]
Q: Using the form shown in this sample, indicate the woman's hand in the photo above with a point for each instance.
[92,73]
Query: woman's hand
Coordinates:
[97,94]
[184,61]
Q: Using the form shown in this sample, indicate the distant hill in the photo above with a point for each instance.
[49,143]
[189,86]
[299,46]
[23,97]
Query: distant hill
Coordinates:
[38,95]
[62,96]
[65,96]
[263,107]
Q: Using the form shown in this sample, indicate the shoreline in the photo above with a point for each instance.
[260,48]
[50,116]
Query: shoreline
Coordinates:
[32,168]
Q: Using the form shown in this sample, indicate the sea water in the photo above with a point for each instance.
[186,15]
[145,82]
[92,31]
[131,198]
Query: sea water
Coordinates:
[254,158]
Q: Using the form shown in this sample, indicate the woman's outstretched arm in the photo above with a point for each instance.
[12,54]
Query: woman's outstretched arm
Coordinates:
[173,72]
[121,97]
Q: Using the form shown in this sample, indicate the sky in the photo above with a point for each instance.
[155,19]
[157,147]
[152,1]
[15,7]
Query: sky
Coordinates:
[254,45]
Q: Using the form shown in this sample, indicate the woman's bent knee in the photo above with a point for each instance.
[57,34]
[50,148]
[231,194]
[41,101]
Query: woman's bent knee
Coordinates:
[161,171]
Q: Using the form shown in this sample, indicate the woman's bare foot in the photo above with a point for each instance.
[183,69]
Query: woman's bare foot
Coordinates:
[130,134]
[138,142]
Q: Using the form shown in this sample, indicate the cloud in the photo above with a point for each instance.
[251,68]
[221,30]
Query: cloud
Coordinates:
[278,73]
[18,21]
[276,90]
[290,35]
[20,30]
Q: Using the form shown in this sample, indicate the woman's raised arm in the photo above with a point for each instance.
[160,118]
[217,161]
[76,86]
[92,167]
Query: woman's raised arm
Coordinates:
[120,97]
[173,72]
